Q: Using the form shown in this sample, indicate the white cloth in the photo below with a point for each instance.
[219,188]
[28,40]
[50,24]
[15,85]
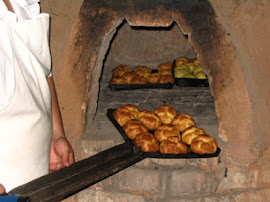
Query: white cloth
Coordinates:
[25,10]
[25,121]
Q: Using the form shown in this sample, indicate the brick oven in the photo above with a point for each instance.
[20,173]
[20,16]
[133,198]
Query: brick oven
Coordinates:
[106,34]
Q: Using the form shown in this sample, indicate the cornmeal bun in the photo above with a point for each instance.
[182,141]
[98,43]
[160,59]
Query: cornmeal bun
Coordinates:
[166,79]
[138,80]
[118,80]
[204,144]
[191,133]
[120,70]
[150,119]
[166,113]
[165,131]
[183,121]
[143,68]
[173,145]
[153,77]
[147,142]
[181,60]
[133,127]
[166,66]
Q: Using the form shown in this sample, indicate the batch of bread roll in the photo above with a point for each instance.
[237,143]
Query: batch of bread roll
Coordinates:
[164,130]
[123,74]
[188,68]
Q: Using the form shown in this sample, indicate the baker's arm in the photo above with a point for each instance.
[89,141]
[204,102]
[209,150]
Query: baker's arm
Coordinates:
[62,154]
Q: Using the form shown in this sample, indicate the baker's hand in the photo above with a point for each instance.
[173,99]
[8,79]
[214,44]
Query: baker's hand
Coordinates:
[62,154]
[2,189]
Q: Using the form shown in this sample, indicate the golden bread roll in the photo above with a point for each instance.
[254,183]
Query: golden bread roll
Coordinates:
[122,116]
[143,68]
[166,113]
[150,119]
[166,79]
[197,69]
[189,76]
[128,76]
[173,145]
[153,78]
[118,80]
[165,131]
[180,73]
[120,70]
[147,142]
[191,133]
[132,109]
[167,66]
[191,66]
[195,61]
[133,127]
[138,80]
[182,67]
[183,121]
[204,144]
[200,75]
[181,60]
[142,73]
[165,72]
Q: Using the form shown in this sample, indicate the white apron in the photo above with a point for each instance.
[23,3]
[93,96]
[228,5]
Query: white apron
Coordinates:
[25,123]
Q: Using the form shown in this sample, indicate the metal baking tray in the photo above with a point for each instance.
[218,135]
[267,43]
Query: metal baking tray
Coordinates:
[142,86]
[187,82]
[137,149]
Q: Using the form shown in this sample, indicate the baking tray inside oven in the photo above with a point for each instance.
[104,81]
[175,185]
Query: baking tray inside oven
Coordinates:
[187,82]
[141,86]
[137,149]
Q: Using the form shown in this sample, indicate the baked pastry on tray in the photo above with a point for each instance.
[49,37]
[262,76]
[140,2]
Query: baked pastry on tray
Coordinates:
[204,144]
[133,127]
[166,113]
[147,142]
[150,119]
[125,113]
[183,121]
[173,145]
[165,131]
[191,133]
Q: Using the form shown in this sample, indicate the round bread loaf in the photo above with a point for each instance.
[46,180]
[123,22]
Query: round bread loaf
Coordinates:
[122,116]
[153,77]
[129,76]
[118,80]
[143,68]
[165,131]
[196,61]
[133,127]
[147,142]
[173,145]
[138,80]
[183,121]
[150,119]
[143,73]
[120,70]
[167,66]
[181,60]
[166,113]
[204,144]
[132,109]
[191,133]
[166,79]
[165,72]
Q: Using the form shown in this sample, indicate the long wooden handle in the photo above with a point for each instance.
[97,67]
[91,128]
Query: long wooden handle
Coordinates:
[58,185]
